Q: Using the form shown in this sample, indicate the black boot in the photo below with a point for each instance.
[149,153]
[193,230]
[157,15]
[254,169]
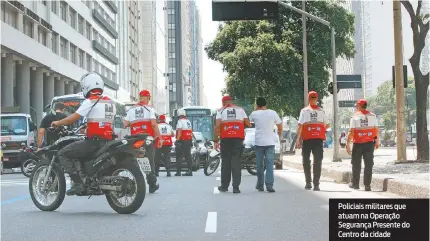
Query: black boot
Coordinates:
[189,173]
[308,178]
[168,174]
[77,185]
[308,186]
[178,174]
[354,186]
[153,188]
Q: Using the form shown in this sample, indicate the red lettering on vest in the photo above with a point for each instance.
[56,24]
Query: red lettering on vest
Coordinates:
[364,135]
[313,131]
[232,129]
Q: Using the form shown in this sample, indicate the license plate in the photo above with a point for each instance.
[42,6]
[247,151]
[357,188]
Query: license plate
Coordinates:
[144,165]
[5,159]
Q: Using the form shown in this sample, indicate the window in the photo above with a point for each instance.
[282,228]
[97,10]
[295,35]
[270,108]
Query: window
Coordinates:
[89,62]
[171,40]
[54,42]
[72,15]
[171,26]
[88,31]
[171,11]
[73,53]
[172,70]
[81,59]
[63,47]
[95,35]
[42,36]
[113,77]
[54,7]
[172,55]
[96,66]
[103,73]
[28,27]
[63,10]
[81,25]
[8,16]
[108,74]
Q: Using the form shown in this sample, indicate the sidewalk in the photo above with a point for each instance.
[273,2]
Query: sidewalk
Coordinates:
[409,180]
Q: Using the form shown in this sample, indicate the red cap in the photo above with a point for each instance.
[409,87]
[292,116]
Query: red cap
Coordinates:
[145,93]
[225,98]
[312,94]
[162,118]
[361,102]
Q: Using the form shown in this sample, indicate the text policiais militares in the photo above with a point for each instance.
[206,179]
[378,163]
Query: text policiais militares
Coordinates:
[373,206]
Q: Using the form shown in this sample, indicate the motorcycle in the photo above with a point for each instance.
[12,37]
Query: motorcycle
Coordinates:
[98,172]
[248,161]
[30,159]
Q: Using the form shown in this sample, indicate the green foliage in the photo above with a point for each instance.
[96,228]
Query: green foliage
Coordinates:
[384,104]
[264,58]
[246,105]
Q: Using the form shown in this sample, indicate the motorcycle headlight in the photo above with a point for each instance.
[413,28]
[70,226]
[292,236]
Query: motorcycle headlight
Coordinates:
[148,142]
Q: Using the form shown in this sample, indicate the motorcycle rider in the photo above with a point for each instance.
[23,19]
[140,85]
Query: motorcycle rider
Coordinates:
[100,113]
[142,120]
[230,128]
[163,153]
[184,142]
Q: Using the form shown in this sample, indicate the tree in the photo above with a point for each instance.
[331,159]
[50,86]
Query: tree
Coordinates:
[264,58]
[420,29]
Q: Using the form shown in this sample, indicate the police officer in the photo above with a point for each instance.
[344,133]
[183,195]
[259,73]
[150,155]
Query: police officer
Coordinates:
[100,112]
[141,119]
[313,123]
[162,154]
[184,142]
[363,133]
[230,128]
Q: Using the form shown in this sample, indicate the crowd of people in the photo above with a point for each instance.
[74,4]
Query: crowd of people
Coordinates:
[231,121]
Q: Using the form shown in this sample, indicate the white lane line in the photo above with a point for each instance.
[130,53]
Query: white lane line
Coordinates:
[211,222]
[219,171]
[216,191]
[218,178]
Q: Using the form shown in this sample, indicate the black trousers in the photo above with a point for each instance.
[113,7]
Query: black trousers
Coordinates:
[314,146]
[77,150]
[364,150]
[183,150]
[151,178]
[162,155]
[231,149]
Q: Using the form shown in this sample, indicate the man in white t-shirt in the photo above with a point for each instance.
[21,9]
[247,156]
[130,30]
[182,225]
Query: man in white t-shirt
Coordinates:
[265,119]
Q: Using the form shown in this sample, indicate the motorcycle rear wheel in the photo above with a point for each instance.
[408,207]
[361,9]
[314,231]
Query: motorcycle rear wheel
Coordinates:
[211,166]
[139,188]
[57,178]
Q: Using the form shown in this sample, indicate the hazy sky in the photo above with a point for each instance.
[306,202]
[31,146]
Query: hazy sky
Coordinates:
[382,35]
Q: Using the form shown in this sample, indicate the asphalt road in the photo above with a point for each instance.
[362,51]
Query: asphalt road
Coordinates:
[184,208]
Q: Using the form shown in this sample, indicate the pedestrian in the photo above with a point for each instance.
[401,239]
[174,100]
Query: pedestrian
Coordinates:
[230,129]
[100,111]
[312,126]
[342,140]
[162,154]
[184,143]
[265,120]
[50,136]
[363,133]
[141,119]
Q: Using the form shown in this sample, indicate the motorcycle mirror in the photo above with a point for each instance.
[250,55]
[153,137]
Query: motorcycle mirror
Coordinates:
[283,141]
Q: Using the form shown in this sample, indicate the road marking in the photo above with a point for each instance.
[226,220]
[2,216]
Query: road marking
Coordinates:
[216,191]
[219,171]
[218,178]
[211,222]
[20,198]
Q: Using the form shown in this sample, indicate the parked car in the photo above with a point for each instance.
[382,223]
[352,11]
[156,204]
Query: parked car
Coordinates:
[196,164]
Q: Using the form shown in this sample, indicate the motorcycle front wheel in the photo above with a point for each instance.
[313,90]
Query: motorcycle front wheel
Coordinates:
[50,196]
[136,191]
[211,166]
[28,166]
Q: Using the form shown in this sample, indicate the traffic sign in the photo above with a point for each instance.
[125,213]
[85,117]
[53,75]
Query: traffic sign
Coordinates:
[347,103]
[231,10]
[349,81]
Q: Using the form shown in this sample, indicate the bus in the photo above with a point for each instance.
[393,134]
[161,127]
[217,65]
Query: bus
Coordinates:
[73,101]
[202,120]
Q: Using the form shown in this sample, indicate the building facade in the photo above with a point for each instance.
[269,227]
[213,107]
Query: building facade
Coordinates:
[184,47]
[47,46]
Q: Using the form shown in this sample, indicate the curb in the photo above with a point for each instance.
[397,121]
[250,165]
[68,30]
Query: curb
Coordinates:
[385,184]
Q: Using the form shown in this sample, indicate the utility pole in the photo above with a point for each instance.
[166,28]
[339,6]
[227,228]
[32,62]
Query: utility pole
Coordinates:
[305,56]
[400,100]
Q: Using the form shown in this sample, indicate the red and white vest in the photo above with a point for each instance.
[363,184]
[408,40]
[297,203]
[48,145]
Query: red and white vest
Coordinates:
[232,122]
[314,121]
[187,130]
[364,125]
[140,117]
[165,133]
[100,116]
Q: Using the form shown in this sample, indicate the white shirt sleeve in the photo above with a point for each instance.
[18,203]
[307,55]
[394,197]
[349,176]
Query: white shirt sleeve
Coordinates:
[301,118]
[152,114]
[218,114]
[179,125]
[85,108]
[129,115]
[277,119]
[243,114]
[251,117]
[352,123]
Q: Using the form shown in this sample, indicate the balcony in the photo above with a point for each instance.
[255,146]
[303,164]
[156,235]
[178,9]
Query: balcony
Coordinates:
[102,21]
[110,83]
[102,50]
[112,6]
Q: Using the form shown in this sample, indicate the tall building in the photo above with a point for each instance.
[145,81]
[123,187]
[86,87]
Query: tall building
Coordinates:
[47,46]
[184,44]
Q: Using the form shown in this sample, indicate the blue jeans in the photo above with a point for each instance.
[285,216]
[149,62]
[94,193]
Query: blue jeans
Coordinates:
[266,153]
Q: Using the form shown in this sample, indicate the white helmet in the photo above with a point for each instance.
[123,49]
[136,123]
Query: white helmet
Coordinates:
[91,81]
[181,112]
